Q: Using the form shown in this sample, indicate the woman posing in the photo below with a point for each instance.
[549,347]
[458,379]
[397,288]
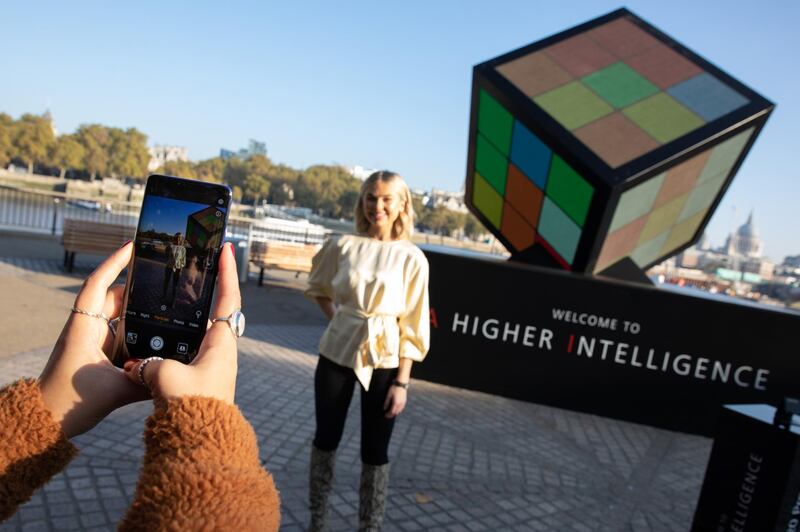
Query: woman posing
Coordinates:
[373,287]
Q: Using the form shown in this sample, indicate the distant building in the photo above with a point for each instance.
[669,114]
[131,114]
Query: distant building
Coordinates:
[359,172]
[791,261]
[254,147]
[453,201]
[745,242]
[160,155]
[740,257]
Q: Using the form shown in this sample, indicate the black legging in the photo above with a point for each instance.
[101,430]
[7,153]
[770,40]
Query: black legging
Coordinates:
[333,390]
[174,275]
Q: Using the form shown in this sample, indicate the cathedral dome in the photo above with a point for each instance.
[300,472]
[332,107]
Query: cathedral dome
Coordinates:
[747,242]
[748,229]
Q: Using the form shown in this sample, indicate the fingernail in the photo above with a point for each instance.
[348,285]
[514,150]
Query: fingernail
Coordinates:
[125,244]
[230,246]
[128,365]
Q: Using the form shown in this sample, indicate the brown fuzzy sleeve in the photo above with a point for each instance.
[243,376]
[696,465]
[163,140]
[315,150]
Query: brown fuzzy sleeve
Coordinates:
[201,472]
[32,446]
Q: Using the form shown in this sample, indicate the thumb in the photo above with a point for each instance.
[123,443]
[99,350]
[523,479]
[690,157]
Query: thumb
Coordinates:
[219,341]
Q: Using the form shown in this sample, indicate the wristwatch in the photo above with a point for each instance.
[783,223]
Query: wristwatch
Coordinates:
[235,321]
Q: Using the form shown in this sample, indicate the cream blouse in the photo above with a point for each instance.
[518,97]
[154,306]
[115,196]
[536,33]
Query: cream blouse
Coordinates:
[381,292]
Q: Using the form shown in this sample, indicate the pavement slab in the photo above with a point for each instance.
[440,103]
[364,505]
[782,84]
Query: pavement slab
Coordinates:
[461,460]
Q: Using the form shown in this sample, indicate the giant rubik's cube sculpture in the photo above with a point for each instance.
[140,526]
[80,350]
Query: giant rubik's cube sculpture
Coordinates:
[605,142]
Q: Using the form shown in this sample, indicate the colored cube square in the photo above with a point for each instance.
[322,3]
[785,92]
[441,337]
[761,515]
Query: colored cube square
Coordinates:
[495,122]
[573,105]
[615,139]
[707,97]
[491,164]
[530,155]
[661,117]
[516,228]
[612,141]
[524,195]
[569,190]
[619,85]
[559,230]
[488,202]
[535,74]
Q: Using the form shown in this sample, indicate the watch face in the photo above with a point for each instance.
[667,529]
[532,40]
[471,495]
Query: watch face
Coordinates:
[237,323]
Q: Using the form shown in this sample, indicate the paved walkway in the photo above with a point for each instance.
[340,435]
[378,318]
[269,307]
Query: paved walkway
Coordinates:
[462,460]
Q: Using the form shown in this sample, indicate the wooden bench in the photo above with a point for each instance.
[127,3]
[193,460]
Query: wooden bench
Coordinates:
[283,256]
[88,236]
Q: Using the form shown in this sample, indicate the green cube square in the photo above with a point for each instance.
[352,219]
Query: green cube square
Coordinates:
[569,190]
[495,122]
[620,85]
[491,164]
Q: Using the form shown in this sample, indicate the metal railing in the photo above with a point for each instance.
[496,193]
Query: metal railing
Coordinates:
[44,212]
[274,229]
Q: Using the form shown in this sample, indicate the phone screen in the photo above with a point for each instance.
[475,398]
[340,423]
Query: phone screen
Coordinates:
[171,278]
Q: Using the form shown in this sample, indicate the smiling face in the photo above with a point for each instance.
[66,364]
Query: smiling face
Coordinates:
[382,204]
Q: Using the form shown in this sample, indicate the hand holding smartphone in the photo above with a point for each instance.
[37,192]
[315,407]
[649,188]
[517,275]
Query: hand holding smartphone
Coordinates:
[171,277]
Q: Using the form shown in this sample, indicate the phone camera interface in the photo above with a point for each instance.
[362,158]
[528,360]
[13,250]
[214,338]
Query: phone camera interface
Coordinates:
[177,243]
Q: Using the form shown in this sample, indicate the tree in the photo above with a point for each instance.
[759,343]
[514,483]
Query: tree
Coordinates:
[67,153]
[253,178]
[347,202]
[127,153]
[283,173]
[443,221]
[96,140]
[419,210]
[259,165]
[234,173]
[178,169]
[255,187]
[33,138]
[6,136]
[473,228]
[323,188]
[210,169]
[281,193]
[237,193]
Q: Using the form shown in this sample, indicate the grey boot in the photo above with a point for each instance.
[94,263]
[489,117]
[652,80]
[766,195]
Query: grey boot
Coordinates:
[320,480]
[372,497]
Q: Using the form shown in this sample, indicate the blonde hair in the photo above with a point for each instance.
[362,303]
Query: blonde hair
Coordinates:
[404,225]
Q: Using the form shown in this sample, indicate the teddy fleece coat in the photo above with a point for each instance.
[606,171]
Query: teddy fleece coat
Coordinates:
[201,469]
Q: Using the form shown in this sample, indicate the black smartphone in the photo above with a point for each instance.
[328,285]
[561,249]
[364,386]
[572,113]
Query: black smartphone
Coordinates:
[171,277]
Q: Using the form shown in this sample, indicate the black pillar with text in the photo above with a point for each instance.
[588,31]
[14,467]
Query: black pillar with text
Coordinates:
[752,482]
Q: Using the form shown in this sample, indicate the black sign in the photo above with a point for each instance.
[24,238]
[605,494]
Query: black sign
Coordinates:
[752,482]
[605,347]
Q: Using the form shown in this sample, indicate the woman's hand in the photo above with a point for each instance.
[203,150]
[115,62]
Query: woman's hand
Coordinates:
[79,384]
[395,401]
[213,371]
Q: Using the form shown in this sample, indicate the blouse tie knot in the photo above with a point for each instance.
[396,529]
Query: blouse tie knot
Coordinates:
[382,341]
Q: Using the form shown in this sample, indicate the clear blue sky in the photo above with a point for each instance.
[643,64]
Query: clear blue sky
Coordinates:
[165,215]
[379,84]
